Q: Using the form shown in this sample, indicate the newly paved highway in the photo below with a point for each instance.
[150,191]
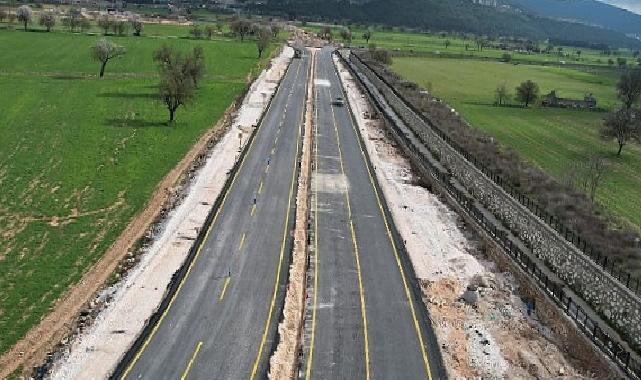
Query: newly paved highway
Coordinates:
[366,321]
[222,322]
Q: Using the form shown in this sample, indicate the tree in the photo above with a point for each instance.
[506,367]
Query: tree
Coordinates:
[346,35]
[527,92]
[326,33]
[105,23]
[501,94]
[620,125]
[209,31]
[622,62]
[177,87]
[367,35]
[276,29]
[137,26]
[629,88]
[447,43]
[196,32]
[105,50]
[24,15]
[578,54]
[240,28]
[219,26]
[119,27]
[264,36]
[586,176]
[48,20]
[3,15]
[195,65]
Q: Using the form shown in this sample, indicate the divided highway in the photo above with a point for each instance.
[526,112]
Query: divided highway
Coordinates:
[221,324]
[366,320]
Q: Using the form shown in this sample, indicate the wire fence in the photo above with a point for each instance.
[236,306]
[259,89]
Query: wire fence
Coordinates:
[608,265]
[610,346]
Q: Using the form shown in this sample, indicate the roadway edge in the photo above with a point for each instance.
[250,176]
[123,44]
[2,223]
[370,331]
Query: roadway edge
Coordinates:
[180,274]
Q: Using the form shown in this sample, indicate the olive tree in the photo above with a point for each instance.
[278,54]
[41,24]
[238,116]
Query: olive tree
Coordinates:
[527,92]
[179,76]
[105,50]
[264,37]
[240,28]
[367,35]
[48,20]
[622,126]
[24,15]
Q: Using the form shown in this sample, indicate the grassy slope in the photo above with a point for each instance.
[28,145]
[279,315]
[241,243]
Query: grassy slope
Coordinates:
[550,138]
[72,143]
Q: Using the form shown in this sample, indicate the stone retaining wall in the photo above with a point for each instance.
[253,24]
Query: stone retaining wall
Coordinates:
[608,296]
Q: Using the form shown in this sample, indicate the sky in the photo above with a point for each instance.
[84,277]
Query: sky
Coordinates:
[631,5]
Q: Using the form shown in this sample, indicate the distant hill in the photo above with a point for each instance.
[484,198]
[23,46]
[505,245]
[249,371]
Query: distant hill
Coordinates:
[451,15]
[588,11]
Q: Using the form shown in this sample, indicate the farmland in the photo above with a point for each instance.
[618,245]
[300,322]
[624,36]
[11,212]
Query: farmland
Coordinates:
[80,156]
[553,139]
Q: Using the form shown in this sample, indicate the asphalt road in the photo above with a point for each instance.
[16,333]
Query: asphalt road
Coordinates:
[366,320]
[222,322]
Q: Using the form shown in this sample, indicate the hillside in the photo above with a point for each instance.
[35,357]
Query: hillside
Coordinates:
[587,11]
[449,15]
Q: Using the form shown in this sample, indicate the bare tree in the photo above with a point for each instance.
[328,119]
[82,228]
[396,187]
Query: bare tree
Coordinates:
[587,176]
[137,25]
[621,125]
[276,29]
[48,20]
[501,94]
[346,35]
[264,37]
[326,33]
[527,92]
[3,15]
[119,27]
[240,28]
[24,15]
[105,23]
[195,65]
[629,88]
[105,50]
[367,35]
[209,31]
[177,87]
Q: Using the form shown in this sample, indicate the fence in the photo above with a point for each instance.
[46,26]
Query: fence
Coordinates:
[624,277]
[610,346]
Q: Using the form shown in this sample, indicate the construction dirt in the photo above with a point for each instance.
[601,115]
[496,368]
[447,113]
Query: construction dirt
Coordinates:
[487,332]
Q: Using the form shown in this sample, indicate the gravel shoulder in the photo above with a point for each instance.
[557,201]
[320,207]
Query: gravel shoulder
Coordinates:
[493,337]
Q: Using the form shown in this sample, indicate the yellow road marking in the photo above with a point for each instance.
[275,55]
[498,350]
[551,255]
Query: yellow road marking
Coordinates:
[253,210]
[361,289]
[171,302]
[316,252]
[222,293]
[417,326]
[260,187]
[242,242]
[191,361]
[282,253]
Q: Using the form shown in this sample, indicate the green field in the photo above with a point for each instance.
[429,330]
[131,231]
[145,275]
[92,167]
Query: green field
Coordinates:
[80,156]
[433,43]
[553,139]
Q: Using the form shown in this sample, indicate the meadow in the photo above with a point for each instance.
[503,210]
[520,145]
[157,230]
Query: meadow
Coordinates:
[403,43]
[553,139]
[80,156]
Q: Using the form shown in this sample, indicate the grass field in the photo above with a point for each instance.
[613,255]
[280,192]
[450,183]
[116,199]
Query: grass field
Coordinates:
[434,43]
[551,138]
[79,156]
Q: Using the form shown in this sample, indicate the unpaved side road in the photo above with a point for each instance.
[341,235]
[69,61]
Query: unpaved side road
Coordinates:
[492,338]
[98,350]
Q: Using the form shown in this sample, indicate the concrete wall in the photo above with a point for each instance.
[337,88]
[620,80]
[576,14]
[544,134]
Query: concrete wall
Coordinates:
[607,296]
